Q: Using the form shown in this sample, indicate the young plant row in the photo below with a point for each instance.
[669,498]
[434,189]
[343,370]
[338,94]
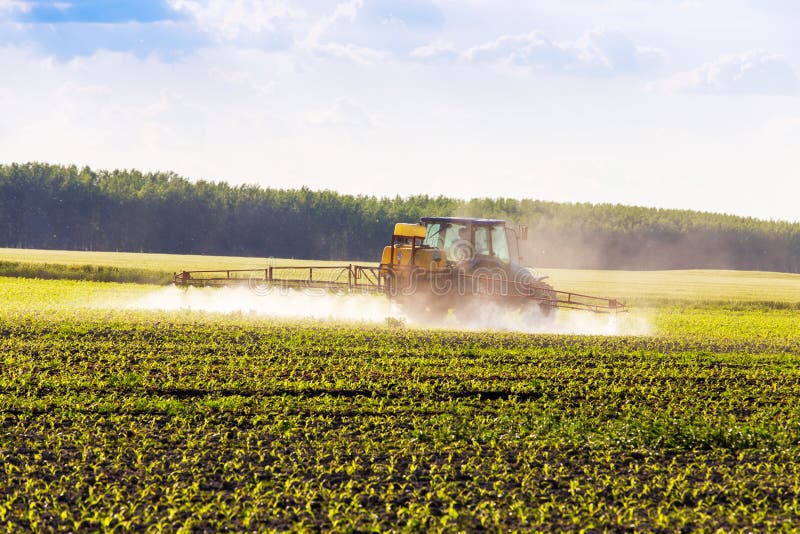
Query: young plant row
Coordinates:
[117,421]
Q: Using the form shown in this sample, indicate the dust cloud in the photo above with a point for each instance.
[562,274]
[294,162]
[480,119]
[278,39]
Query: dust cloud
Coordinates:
[377,309]
[551,245]
[287,303]
[492,317]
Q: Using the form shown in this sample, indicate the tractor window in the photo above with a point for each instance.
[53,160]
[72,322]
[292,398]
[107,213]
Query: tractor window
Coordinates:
[434,236]
[500,243]
[457,242]
[482,240]
[454,233]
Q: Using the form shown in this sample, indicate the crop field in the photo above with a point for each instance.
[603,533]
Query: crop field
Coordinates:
[115,418]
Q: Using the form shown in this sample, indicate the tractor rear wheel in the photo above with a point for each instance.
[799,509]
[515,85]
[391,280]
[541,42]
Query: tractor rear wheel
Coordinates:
[546,298]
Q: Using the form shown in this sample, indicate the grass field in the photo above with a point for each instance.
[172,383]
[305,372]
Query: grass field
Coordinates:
[130,260]
[122,266]
[696,287]
[115,418]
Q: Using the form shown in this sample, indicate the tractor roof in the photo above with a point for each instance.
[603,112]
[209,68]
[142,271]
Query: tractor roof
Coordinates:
[462,220]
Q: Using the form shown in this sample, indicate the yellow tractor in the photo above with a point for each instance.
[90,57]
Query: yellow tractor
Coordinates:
[459,263]
[429,268]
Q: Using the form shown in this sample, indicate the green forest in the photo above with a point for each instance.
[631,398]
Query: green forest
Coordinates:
[66,207]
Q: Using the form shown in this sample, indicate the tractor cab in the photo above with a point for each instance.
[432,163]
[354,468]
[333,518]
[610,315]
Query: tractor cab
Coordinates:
[460,239]
[437,243]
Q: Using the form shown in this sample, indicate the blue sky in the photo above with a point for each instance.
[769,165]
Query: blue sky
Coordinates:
[672,103]
[96,11]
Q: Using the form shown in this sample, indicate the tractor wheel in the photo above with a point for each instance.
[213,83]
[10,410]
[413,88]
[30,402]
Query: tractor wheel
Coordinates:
[545,299]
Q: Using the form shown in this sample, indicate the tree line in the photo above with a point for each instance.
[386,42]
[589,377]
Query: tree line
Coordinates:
[66,207]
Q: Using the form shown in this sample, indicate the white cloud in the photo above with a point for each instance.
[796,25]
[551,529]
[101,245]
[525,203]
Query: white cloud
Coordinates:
[14,5]
[750,72]
[71,91]
[242,78]
[598,51]
[435,52]
[613,51]
[530,48]
[393,21]
[351,52]
[228,19]
[344,112]
[343,11]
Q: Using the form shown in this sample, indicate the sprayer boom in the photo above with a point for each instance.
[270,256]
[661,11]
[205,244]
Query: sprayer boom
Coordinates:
[439,289]
[343,279]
